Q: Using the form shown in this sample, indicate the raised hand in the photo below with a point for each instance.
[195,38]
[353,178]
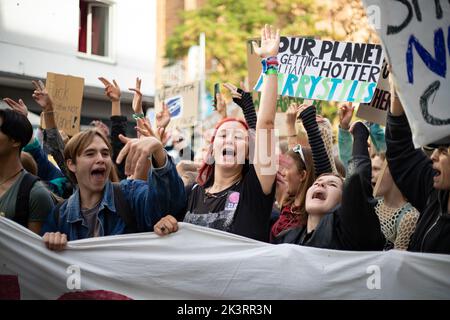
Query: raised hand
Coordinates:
[291,114]
[137,98]
[40,95]
[111,91]
[101,126]
[345,113]
[144,129]
[163,117]
[303,107]
[137,152]
[270,42]
[233,90]
[19,107]
[359,123]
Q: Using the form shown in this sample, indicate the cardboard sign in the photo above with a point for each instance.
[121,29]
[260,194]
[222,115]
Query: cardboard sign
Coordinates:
[327,70]
[66,93]
[416,37]
[376,111]
[183,103]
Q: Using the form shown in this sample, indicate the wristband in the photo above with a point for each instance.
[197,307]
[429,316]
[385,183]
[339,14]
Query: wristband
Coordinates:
[269,63]
[138,116]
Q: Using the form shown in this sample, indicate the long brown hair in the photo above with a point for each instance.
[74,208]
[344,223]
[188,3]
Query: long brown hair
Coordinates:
[301,165]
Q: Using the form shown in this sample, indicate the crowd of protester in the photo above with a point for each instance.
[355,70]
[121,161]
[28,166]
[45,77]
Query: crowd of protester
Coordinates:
[378,192]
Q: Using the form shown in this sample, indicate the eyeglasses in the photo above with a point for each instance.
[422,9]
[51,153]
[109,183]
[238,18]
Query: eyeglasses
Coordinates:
[298,149]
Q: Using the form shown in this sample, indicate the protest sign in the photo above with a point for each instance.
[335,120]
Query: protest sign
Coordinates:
[327,70]
[416,37]
[183,103]
[66,93]
[214,265]
[254,71]
[376,111]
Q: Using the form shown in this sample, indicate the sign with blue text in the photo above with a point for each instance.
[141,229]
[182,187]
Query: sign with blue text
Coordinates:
[183,104]
[327,70]
[416,38]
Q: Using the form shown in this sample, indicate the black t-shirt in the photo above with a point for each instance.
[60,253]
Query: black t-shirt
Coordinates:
[242,209]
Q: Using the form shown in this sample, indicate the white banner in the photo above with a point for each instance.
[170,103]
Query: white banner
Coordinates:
[416,41]
[201,263]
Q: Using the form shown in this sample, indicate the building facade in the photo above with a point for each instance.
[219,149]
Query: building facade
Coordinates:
[115,39]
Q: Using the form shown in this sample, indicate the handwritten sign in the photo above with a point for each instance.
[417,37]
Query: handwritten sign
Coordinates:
[66,93]
[376,111]
[183,103]
[327,70]
[416,36]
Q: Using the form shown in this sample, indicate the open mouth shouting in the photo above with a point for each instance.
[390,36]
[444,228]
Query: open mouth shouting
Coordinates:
[98,174]
[319,195]
[228,155]
[437,174]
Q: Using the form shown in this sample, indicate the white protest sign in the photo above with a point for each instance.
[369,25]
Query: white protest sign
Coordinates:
[416,37]
[327,70]
[376,111]
[183,103]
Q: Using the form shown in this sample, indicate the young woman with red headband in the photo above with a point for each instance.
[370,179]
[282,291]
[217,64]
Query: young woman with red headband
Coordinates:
[235,189]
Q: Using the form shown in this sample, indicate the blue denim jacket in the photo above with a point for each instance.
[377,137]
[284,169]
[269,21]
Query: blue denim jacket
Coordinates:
[163,193]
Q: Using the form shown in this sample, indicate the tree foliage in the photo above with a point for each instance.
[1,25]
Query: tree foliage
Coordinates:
[228,24]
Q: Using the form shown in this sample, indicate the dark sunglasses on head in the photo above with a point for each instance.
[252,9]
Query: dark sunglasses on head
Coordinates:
[431,147]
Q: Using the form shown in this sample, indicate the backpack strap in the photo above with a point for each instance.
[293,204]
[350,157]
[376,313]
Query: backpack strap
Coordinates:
[123,210]
[56,212]
[23,199]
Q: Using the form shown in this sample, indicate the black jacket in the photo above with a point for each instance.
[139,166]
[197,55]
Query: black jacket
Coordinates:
[352,225]
[412,171]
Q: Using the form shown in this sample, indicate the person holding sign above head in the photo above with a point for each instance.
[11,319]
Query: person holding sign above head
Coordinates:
[235,193]
[425,182]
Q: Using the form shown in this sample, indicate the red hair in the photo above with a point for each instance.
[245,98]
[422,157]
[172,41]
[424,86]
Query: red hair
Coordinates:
[206,169]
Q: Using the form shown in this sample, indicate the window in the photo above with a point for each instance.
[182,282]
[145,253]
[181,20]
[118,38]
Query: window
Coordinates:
[94,35]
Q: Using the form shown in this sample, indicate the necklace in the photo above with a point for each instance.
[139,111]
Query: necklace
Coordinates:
[208,191]
[220,194]
[15,174]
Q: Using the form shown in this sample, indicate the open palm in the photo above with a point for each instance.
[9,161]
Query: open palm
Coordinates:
[270,42]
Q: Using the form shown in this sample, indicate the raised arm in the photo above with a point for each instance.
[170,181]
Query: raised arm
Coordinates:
[320,157]
[410,168]
[291,118]
[359,227]
[345,141]
[53,142]
[118,121]
[265,160]
[244,100]
[377,137]
[326,132]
